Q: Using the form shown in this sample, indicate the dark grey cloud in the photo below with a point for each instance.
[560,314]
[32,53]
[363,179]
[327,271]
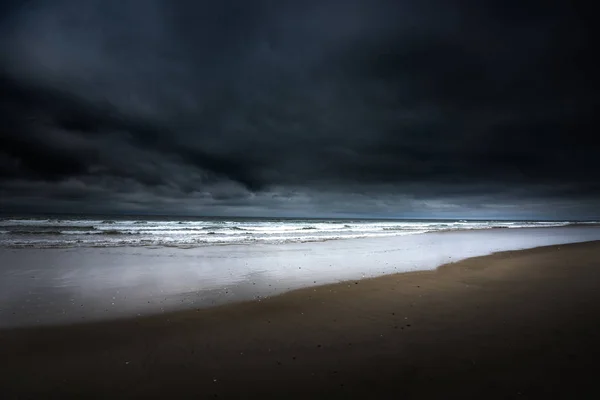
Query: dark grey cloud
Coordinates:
[327,107]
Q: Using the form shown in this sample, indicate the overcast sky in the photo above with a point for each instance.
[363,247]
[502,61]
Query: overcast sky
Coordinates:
[375,108]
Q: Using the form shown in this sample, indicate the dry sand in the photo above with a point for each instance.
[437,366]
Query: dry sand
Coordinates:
[520,324]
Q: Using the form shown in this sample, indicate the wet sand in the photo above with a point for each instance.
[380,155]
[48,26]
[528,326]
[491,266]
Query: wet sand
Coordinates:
[519,324]
[63,286]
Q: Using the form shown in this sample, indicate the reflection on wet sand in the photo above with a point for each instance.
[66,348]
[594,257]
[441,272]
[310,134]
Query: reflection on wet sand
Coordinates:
[47,286]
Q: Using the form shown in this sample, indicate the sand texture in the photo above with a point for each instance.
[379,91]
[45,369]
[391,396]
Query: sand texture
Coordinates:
[520,324]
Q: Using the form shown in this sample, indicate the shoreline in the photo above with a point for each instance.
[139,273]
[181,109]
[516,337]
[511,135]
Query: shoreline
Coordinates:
[514,324]
[42,287]
[332,287]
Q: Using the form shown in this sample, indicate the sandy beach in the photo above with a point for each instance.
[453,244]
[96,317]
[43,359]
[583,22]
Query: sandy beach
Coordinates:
[60,286]
[518,324]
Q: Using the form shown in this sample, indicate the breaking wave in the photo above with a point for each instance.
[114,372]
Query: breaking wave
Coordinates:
[90,232]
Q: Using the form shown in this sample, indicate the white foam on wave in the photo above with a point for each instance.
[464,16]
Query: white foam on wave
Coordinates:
[147,232]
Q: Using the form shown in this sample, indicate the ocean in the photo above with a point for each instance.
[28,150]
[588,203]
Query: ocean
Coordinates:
[118,231]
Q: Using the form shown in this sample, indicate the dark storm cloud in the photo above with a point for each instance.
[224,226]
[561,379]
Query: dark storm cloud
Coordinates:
[359,107]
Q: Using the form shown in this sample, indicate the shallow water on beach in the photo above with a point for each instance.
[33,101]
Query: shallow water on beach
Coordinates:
[63,285]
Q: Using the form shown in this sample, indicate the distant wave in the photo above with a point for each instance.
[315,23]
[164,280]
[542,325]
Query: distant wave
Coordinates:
[586,223]
[48,227]
[399,228]
[112,232]
[220,227]
[33,232]
[65,232]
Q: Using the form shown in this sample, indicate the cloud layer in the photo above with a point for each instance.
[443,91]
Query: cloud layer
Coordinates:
[374,108]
